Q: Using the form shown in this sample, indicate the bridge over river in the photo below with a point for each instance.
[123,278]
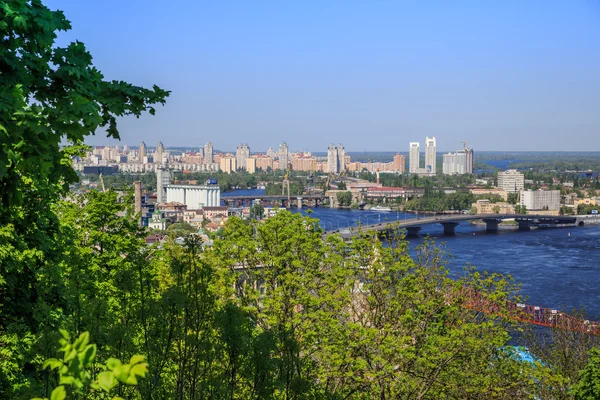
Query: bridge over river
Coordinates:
[450,222]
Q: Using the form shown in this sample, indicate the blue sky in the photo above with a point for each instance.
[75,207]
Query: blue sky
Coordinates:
[373,75]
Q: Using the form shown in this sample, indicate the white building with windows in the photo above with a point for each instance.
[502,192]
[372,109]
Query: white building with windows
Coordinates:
[511,181]
[414,155]
[540,199]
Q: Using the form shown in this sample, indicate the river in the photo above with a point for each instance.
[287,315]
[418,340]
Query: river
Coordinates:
[558,268]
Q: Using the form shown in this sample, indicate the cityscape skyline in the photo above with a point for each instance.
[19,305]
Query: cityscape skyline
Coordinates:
[500,77]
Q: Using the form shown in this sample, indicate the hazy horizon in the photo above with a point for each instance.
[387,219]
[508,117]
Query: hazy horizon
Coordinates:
[504,76]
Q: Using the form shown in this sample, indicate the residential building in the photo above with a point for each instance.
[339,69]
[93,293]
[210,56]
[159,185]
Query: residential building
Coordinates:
[158,154]
[414,157]
[399,163]
[332,159]
[458,163]
[430,155]
[208,153]
[283,156]
[228,164]
[511,181]
[487,207]
[540,199]
[143,151]
[251,165]
[264,162]
[241,155]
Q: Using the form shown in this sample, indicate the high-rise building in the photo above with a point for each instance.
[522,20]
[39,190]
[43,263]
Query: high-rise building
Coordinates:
[284,156]
[158,154]
[341,156]
[142,152]
[399,163]
[271,153]
[241,155]
[208,153]
[449,164]
[332,159]
[201,151]
[430,155]
[511,181]
[470,160]
[414,157]
[458,163]
[336,158]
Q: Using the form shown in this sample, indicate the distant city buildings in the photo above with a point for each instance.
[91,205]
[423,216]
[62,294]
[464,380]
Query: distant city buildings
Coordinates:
[511,181]
[107,158]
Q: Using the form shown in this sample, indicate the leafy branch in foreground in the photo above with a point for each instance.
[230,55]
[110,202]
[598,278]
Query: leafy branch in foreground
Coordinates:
[74,369]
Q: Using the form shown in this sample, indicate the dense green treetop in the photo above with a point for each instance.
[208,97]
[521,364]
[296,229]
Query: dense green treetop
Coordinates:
[51,95]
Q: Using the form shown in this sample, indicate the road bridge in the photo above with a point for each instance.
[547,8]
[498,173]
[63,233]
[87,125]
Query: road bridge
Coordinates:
[450,222]
[283,200]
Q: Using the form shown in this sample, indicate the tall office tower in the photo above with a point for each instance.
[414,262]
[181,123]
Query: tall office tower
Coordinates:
[158,155]
[208,153]
[142,152]
[271,153]
[430,155]
[284,156]
[399,162]
[341,156]
[469,160]
[332,159]
[241,155]
[201,151]
[414,159]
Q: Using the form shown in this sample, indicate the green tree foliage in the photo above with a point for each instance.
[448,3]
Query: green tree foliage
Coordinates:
[48,95]
[513,198]
[588,387]
[344,198]
[257,211]
[76,366]
[584,209]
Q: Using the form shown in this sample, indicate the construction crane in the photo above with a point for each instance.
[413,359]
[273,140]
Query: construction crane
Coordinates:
[102,182]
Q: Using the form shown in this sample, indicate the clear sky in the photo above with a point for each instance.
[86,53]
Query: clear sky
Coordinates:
[373,75]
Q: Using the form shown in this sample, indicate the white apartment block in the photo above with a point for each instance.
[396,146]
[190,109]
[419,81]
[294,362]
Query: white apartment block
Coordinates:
[540,199]
[511,181]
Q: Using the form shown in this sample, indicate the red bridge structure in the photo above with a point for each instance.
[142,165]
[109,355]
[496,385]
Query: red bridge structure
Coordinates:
[528,314]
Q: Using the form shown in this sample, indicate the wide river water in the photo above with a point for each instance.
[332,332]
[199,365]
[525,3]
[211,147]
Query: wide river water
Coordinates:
[558,268]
